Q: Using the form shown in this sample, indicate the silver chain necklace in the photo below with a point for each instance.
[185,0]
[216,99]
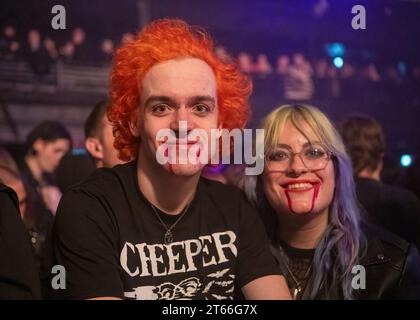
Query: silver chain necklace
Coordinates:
[298,288]
[169,236]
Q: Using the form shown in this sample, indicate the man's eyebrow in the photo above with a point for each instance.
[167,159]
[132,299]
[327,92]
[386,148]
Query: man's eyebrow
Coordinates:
[198,99]
[159,99]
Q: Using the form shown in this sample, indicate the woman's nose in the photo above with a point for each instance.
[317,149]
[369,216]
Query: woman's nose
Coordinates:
[296,166]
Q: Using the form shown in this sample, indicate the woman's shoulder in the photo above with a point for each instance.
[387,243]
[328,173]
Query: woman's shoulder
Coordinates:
[392,265]
[382,246]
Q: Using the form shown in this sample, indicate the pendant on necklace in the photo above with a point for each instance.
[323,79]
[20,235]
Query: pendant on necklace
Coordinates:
[169,237]
[296,291]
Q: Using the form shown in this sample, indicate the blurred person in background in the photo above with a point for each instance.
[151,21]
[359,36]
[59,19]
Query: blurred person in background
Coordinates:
[245,62]
[67,52]
[99,138]
[36,54]
[299,85]
[9,46]
[13,180]
[18,273]
[106,51]
[81,49]
[51,48]
[263,66]
[6,160]
[10,176]
[283,63]
[45,145]
[127,37]
[391,207]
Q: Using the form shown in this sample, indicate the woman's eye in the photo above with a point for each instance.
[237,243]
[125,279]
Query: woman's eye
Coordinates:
[278,156]
[315,153]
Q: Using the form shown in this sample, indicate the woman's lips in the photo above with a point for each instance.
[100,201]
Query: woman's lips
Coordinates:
[300,185]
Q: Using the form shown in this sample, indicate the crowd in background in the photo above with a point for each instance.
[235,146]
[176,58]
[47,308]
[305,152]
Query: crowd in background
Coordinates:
[300,77]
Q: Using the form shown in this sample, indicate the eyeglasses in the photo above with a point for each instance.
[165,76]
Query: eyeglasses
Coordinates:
[313,156]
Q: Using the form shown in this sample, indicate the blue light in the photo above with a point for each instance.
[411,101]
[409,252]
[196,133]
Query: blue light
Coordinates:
[406,160]
[402,68]
[79,152]
[335,49]
[338,62]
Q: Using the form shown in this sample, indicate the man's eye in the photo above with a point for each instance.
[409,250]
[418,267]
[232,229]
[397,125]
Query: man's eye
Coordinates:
[161,108]
[201,108]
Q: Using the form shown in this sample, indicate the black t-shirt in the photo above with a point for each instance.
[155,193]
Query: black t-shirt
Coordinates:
[18,274]
[110,241]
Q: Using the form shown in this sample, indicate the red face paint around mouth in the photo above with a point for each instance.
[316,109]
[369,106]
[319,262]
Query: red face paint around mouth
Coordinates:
[315,187]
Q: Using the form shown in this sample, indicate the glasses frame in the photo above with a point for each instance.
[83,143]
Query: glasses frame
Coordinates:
[329,153]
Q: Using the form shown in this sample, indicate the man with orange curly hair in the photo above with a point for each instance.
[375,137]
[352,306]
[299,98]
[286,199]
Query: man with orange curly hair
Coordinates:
[152,230]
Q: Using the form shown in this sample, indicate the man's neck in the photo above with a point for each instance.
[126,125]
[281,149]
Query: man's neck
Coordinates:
[168,192]
[36,171]
[303,232]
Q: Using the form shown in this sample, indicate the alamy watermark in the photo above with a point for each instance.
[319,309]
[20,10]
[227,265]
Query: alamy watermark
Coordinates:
[358,22]
[197,146]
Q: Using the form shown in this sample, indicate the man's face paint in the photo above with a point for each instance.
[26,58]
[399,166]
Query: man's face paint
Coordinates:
[298,190]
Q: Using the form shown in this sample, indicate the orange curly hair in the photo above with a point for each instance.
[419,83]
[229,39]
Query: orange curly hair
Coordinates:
[160,41]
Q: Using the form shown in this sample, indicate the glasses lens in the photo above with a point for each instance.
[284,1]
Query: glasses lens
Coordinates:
[278,159]
[315,157]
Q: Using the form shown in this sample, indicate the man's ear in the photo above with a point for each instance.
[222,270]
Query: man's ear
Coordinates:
[134,125]
[94,147]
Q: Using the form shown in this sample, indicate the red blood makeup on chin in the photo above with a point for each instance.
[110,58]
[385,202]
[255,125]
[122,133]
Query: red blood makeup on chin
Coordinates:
[314,197]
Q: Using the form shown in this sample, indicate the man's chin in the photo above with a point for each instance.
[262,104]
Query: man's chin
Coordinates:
[184,169]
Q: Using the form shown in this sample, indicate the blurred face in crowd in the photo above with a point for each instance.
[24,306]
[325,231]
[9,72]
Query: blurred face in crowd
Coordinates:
[34,38]
[283,63]
[296,190]
[127,37]
[68,50]
[9,31]
[173,91]
[49,44]
[78,36]
[107,46]
[49,153]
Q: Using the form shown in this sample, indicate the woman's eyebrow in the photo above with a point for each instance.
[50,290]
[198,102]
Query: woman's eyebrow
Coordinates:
[306,144]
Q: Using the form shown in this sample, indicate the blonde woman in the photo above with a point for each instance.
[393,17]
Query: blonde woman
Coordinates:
[306,198]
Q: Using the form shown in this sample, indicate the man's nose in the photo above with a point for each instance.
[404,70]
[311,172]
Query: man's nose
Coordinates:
[182,123]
